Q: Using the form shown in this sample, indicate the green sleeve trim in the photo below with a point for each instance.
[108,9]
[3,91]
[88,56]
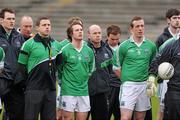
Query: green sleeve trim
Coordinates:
[106,63]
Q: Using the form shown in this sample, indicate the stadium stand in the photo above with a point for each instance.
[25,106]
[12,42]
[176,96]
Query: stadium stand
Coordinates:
[102,12]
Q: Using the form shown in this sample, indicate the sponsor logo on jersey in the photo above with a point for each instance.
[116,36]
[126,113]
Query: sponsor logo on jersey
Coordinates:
[146,51]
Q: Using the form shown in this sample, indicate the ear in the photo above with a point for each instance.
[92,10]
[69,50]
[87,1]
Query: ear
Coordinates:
[130,29]
[168,21]
[1,20]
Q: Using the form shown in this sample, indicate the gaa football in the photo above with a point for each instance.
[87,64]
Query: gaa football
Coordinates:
[165,70]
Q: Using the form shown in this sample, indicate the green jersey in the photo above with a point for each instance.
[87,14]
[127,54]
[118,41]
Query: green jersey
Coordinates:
[39,57]
[63,43]
[76,65]
[134,60]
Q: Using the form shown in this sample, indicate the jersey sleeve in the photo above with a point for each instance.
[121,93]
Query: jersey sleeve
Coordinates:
[24,53]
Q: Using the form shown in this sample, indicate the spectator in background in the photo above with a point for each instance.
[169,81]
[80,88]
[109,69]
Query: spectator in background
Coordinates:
[133,57]
[112,43]
[26,27]
[10,87]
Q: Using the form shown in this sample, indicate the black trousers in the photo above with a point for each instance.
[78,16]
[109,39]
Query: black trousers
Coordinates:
[148,115]
[99,106]
[114,103]
[172,105]
[40,101]
[14,103]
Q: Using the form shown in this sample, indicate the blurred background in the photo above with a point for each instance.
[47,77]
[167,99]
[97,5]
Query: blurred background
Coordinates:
[101,12]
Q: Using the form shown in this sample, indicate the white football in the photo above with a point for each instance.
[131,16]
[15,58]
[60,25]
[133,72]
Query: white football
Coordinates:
[165,70]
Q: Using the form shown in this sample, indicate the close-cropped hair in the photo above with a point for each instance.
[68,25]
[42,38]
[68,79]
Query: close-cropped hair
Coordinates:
[136,18]
[70,29]
[75,19]
[113,29]
[4,10]
[39,20]
[171,12]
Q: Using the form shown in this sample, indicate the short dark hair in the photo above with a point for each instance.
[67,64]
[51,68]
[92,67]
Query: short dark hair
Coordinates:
[113,29]
[171,12]
[2,12]
[39,20]
[136,18]
[75,19]
[70,30]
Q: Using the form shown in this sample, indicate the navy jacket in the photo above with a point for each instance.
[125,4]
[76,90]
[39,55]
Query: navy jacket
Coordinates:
[115,81]
[171,54]
[99,80]
[11,48]
[163,37]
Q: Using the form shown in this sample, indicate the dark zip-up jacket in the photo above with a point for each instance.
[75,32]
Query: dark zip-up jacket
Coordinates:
[11,48]
[38,56]
[163,37]
[171,54]
[99,80]
[115,81]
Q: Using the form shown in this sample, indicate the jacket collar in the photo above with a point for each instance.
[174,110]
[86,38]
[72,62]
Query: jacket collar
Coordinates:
[38,38]
[3,32]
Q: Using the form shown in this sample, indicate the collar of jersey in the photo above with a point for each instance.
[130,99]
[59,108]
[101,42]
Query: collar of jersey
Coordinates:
[38,38]
[132,40]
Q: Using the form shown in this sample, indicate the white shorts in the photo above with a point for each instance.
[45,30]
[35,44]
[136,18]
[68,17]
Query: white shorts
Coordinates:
[162,89]
[133,96]
[76,103]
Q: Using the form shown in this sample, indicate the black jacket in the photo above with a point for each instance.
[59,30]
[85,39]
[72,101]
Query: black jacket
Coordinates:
[163,37]
[99,80]
[11,48]
[115,81]
[171,54]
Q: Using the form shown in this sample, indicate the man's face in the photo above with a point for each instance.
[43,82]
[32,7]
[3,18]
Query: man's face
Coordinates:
[77,32]
[8,21]
[44,28]
[174,21]
[95,34]
[138,29]
[113,40]
[26,27]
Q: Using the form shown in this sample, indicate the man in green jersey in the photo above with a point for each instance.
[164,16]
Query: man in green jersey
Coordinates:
[62,44]
[37,61]
[134,56]
[77,63]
